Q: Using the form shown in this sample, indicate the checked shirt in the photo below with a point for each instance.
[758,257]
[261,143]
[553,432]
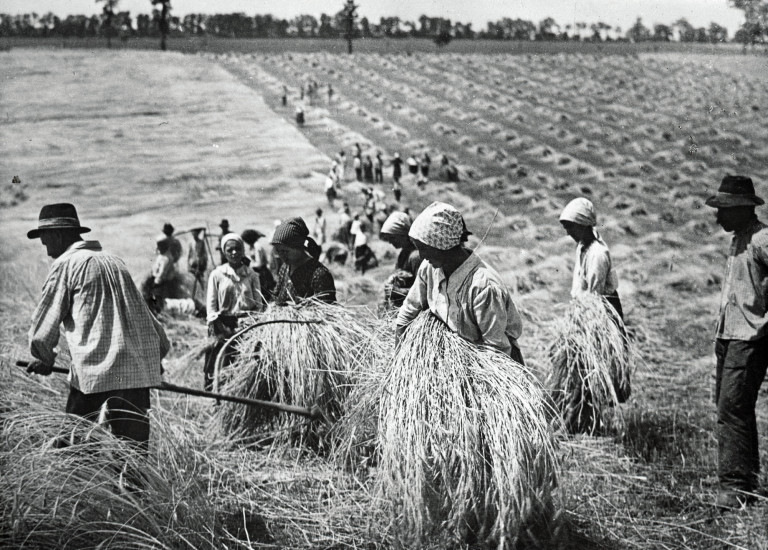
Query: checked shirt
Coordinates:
[114,340]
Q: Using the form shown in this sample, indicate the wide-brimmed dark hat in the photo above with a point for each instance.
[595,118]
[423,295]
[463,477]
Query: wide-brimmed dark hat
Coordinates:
[735,191]
[57,216]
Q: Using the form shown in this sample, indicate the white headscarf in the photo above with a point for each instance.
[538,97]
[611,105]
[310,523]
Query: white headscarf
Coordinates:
[398,223]
[232,237]
[440,226]
[580,211]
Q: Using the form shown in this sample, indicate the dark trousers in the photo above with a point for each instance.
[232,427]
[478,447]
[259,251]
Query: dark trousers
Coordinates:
[212,352]
[126,412]
[741,367]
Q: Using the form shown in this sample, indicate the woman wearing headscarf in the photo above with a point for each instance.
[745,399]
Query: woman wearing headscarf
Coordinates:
[457,286]
[593,270]
[395,232]
[301,275]
[233,288]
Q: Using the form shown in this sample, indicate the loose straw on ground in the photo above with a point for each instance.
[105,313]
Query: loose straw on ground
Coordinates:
[591,364]
[465,447]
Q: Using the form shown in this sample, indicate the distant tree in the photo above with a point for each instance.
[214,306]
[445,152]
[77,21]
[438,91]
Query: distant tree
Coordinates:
[108,19]
[717,33]
[547,29]
[350,18]
[638,32]
[163,20]
[661,33]
[687,31]
[755,27]
[443,37]
[365,28]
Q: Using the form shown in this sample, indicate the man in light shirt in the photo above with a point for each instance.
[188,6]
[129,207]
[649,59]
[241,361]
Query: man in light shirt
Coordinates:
[741,345]
[115,343]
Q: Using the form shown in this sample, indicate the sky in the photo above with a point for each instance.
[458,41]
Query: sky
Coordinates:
[614,12]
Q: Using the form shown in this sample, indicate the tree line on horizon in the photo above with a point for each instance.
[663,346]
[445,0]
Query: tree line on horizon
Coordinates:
[239,25]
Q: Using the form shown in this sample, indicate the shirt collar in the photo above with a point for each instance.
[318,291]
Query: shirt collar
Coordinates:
[94,246]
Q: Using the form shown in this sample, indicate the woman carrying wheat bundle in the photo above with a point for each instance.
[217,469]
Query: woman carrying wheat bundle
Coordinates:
[591,354]
[464,441]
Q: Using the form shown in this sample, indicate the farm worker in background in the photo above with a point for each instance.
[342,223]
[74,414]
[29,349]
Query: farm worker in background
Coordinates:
[302,275]
[343,234]
[318,227]
[256,253]
[378,169]
[341,158]
[413,165]
[275,262]
[424,165]
[330,94]
[174,246]
[164,274]
[357,164]
[741,346]
[300,114]
[593,271]
[225,230]
[457,286]
[115,343]
[364,256]
[395,232]
[197,259]
[330,186]
[284,99]
[368,169]
[397,170]
[233,289]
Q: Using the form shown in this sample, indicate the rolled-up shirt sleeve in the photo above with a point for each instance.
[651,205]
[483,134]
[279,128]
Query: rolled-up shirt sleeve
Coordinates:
[415,301]
[49,314]
[492,317]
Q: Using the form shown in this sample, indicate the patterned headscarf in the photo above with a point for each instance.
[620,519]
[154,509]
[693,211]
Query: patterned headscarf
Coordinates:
[580,211]
[398,223]
[440,226]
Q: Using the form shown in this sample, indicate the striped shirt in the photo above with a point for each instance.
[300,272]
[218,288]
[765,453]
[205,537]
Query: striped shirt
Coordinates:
[744,298]
[114,340]
[473,302]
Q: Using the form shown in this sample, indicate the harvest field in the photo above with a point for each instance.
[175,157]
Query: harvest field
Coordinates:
[137,138]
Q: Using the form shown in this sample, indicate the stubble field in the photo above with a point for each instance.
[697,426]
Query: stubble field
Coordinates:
[136,139]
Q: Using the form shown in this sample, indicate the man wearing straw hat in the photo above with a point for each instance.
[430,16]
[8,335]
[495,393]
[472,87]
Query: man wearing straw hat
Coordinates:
[115,343]
[457,286]
[741,346]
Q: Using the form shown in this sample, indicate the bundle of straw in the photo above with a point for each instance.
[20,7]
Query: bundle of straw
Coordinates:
[591,364]
[68,483]
[308,361]
[465,445]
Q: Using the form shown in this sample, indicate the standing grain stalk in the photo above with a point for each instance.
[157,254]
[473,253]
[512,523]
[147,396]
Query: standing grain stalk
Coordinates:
[591,364]
[465,446]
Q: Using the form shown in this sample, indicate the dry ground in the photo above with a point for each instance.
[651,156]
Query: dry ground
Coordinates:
[137,138]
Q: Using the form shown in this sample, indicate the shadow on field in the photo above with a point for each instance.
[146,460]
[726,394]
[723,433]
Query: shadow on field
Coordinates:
[665,436]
